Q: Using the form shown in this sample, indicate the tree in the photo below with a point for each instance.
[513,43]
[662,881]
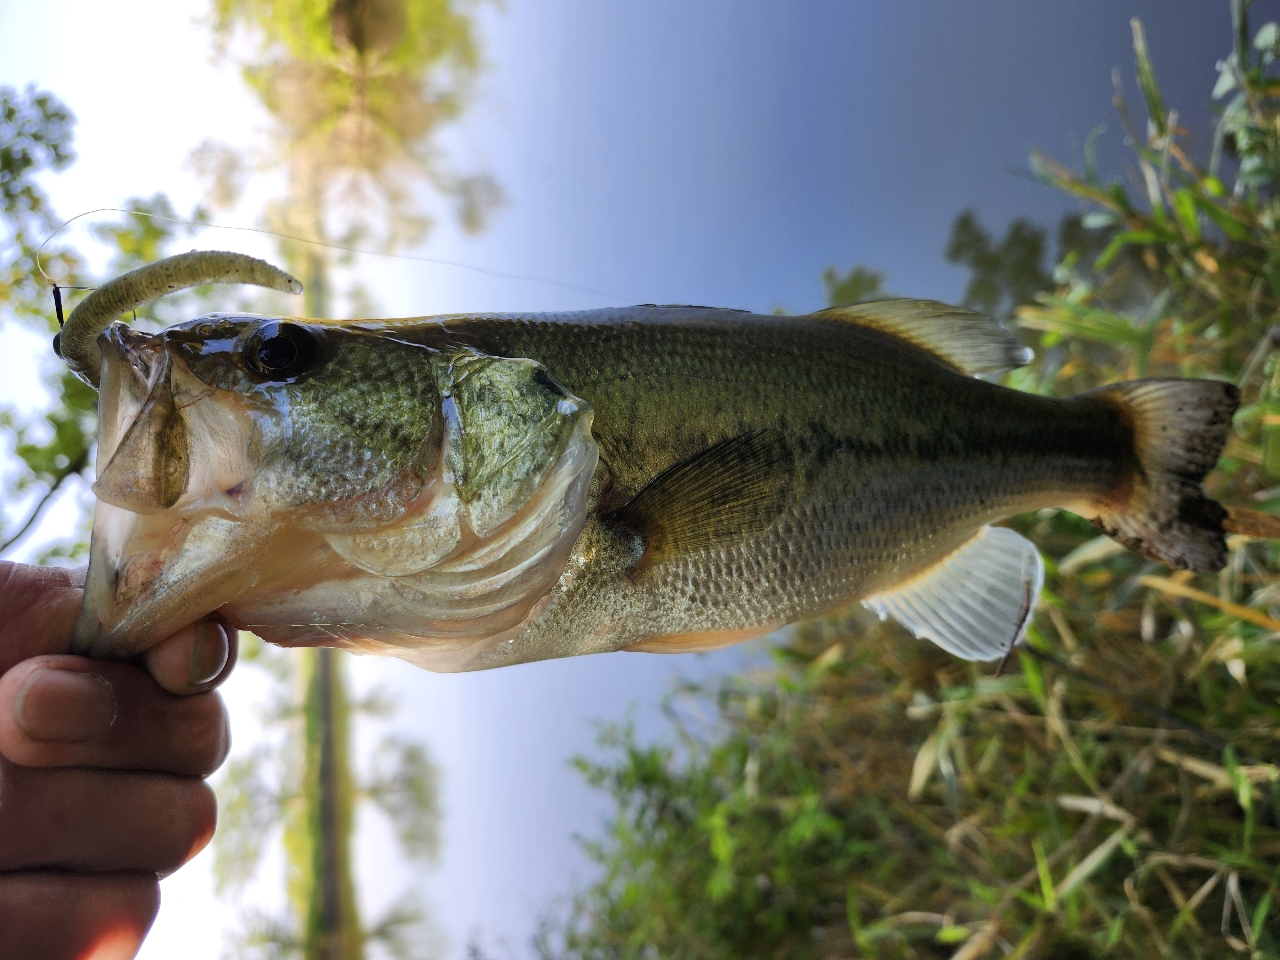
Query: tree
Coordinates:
[1004,276]
[358,89]
[859,284]
[35,135]
[305,785]
[52,448]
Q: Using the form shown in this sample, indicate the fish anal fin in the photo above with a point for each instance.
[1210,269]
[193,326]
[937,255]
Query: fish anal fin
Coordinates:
[976,602]
[969,342]
[700,642]
[731,489]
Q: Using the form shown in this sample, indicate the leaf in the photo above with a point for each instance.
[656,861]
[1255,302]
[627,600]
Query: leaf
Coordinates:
[1184,205]
[1081,322]
[825,662]
[1119,197]
[1034,677]
[1226,79]
[925,762]
[1046,878]
[1119,242]
[1242,787]
[1091,153]
[1055,175]
[1191,593]
[1091,863]
[1229,223]
[1147,79]
[1263,908]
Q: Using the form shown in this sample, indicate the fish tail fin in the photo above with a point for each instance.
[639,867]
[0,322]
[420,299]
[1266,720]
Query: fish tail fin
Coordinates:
[1179,428]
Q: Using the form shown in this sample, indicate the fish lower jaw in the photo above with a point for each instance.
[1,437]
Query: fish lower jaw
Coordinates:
[439,655]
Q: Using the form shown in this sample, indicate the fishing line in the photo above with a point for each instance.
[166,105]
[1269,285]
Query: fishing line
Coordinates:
[315,243]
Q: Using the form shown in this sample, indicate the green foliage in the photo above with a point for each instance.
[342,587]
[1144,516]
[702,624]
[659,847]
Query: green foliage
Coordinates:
[1003,276]
[320,817]
[405,785]
[305,787]
[402,36]
[1116,792]
[251,804]
[54,446]
[145,233]
[358,91]
[859,284]
[872,797]
[35,135]
[51,447]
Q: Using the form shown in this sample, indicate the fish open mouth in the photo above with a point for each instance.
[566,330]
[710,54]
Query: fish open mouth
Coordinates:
[173,537]
[190,518]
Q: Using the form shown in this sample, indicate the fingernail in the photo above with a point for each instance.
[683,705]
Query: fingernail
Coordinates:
[65,706]
[209,653]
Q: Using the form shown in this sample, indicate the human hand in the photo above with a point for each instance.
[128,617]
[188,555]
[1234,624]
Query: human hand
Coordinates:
[101,767]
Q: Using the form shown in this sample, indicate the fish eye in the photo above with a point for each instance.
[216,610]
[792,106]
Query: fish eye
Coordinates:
[281,351]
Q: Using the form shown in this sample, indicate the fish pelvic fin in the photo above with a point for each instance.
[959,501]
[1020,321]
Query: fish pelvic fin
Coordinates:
[731,489]
[976,602]
[968,342]
[1179,428]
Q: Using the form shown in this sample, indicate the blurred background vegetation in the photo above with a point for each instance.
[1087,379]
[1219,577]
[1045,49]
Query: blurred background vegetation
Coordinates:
[1115,793]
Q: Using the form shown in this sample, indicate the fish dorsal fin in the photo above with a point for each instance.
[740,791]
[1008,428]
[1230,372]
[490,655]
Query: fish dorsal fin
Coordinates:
[972,343]
[735,487]
[977,601]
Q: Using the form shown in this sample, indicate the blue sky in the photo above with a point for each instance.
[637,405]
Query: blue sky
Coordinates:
[672,151]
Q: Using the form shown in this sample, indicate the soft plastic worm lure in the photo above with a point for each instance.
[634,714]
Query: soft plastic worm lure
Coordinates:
[77,342]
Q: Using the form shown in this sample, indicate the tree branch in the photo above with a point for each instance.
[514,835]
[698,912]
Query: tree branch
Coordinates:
[73,468]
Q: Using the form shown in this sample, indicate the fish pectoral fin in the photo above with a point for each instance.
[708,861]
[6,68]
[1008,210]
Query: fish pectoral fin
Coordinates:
[733,488]
[972,343]
[976,602]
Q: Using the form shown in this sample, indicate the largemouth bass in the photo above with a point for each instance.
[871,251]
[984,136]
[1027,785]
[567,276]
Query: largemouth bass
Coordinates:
[472,491]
